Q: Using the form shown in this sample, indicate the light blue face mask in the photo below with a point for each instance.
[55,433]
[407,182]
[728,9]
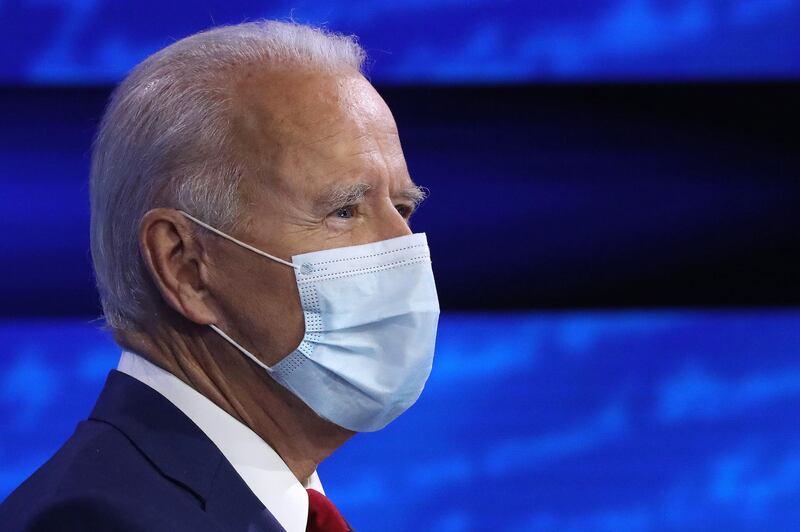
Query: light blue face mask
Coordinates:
[371,313]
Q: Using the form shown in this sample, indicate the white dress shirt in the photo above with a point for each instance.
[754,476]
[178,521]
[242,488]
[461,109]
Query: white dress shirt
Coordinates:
[257,463]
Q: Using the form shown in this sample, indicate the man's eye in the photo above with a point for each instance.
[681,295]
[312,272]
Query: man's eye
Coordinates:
[346,212]
[404,210]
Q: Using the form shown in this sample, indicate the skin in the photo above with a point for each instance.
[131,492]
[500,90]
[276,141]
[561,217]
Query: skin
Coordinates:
[306,135]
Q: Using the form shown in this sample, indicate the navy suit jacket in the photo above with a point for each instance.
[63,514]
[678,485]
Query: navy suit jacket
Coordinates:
[138,463]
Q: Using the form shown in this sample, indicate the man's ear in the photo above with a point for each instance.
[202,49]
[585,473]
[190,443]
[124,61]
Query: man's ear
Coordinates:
[176,262]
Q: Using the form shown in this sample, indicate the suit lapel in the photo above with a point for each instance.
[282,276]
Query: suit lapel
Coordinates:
[232,503]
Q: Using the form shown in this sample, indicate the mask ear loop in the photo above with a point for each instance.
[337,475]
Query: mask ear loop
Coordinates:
[216,329]
[234,240]
[244,351]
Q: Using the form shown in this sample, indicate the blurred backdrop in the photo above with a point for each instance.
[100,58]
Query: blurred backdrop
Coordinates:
[613,220]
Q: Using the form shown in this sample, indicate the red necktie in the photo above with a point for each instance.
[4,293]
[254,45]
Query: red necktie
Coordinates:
[323,515]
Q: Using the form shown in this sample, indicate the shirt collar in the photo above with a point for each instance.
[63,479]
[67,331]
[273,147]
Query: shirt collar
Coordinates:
[261,468]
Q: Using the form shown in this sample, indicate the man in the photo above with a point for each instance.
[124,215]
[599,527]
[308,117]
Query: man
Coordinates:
[250,206]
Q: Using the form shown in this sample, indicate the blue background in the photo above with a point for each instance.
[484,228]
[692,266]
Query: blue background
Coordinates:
[657,420]
[441,41]
[613,222]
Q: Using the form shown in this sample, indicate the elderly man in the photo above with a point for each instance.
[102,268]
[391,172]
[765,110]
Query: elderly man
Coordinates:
[250,207]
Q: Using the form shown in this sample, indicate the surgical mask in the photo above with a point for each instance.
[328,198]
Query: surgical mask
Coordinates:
[371,313]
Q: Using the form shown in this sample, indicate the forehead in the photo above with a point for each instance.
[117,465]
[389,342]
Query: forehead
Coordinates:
[307,130]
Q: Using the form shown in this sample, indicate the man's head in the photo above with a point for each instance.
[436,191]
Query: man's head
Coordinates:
[265,136]
[267,131]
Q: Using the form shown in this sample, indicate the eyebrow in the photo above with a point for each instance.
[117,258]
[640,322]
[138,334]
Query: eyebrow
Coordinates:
[415,194]
[343,195]
[353,193]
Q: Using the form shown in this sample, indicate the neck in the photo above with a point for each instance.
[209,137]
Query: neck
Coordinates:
[201,359]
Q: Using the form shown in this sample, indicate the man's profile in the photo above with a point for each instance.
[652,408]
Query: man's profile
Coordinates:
[250,205]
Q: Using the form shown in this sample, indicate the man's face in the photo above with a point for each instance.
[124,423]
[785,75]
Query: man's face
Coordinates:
[332,174]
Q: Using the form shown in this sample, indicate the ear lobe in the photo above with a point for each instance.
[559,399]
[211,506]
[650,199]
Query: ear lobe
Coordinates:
[174,259]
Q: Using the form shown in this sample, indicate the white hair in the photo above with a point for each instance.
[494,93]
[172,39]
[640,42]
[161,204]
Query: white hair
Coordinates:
[165,141]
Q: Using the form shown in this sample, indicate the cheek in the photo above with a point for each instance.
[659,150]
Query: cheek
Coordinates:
[262,306]
[276,314]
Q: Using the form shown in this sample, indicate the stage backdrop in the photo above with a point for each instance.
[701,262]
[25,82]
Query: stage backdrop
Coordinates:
[590,421]
[613,224]
[430,41]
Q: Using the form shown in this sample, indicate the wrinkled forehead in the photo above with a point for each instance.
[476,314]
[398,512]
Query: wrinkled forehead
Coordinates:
[294,105]
[301,122]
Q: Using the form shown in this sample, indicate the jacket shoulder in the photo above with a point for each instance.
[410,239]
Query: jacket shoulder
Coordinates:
[99,480]
[79,511]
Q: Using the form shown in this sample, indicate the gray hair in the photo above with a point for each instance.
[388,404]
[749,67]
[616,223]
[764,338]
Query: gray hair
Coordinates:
[165,141]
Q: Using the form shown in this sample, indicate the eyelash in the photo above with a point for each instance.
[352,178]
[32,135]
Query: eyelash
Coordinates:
[340,209]
[408,211]
[404,210]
